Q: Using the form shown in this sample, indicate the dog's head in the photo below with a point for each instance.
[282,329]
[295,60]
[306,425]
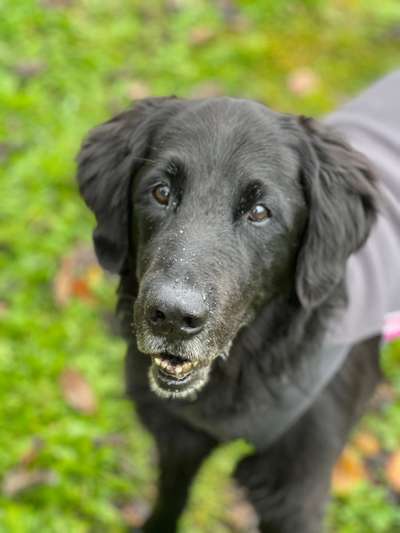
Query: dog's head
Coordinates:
[218,207]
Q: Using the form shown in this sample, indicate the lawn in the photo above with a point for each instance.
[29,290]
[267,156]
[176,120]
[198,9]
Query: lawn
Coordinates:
[73,456]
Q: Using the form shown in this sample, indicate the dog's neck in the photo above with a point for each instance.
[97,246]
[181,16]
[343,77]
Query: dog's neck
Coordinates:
[283,332]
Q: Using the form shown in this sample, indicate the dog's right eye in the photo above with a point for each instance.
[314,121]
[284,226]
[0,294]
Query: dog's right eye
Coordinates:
[161,194]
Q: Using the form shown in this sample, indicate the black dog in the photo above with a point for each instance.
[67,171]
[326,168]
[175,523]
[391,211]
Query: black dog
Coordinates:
[230,226]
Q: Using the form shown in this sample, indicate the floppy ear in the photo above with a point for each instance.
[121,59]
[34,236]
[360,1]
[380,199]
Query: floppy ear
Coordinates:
[340,191]
[109,157]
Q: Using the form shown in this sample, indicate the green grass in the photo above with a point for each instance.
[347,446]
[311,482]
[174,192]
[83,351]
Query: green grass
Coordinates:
[65,66]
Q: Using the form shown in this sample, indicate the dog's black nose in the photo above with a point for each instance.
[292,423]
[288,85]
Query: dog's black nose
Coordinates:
[176,311]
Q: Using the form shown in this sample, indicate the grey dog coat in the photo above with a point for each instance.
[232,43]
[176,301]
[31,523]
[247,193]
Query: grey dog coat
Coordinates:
[371,124]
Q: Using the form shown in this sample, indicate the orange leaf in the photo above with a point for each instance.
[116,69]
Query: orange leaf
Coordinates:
[367,444]
[77,392]
[77,276]
[81,289]
[348,473]
[392,471]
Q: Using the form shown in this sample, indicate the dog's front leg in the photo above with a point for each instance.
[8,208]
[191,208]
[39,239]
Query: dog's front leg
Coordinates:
[288,484]
[181,452]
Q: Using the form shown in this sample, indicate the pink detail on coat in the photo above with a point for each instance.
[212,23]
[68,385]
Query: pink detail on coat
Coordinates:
[391,328]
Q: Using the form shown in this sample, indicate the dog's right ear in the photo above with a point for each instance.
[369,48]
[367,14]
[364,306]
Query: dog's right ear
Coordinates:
[109,157]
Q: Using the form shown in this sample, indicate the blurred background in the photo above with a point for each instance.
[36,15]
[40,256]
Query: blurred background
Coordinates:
[73,456]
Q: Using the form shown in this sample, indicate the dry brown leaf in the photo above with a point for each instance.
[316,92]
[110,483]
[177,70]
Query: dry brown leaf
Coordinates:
[384,394]
[20,479]
[3,309]
[29,69]
[32,452]
[78,275]
[392,471]
[348,473]
[201,35]
[366,443]
[242,516]
[207,89]
[135,513]
[303,81]
[77,392]
[138,89]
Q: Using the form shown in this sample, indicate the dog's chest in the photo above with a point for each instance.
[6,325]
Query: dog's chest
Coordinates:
[258,412]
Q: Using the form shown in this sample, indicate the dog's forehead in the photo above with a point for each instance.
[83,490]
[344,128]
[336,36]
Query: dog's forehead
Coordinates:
[235,136]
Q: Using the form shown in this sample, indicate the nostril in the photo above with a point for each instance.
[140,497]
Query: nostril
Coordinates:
[157,316]
[192,322]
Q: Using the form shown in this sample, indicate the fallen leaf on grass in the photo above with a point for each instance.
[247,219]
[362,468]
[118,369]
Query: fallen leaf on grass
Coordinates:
[135,513]
[303,81]
[201,35]
[366,443]
[20,479]
[32,452]
[77,276]
[384,394]
[138,89]
[240,515]
[392,471]
[77,392]
[207,89]
[348,473]
[3,309]
[29,69]
[7,149]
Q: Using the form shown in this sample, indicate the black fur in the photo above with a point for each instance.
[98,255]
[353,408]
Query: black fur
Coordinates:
[269,288]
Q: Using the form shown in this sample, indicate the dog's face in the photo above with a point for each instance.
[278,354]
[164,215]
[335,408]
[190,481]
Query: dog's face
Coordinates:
[210,204]
[218,212]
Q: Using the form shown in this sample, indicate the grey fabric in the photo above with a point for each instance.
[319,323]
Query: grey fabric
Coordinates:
[371,124]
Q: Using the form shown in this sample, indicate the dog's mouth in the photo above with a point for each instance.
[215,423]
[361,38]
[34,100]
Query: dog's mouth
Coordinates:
[177,377]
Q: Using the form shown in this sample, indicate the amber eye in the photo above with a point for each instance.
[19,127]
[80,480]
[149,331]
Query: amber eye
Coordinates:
[161,194]
[259,213]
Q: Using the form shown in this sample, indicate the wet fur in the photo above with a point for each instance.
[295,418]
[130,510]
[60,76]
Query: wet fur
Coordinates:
[281,322]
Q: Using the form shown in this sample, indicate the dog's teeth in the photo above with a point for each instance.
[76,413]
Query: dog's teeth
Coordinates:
[164,364]
[178,369]
[186,367]
[157,360]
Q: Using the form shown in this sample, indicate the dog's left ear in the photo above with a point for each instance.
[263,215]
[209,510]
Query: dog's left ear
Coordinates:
[110,156]
[339,188]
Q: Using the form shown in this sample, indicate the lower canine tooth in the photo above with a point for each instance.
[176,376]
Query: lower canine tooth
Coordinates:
[157,361]
[186,367]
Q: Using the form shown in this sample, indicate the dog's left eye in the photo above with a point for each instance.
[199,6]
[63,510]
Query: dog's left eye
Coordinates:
[161,194]
[259,213]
